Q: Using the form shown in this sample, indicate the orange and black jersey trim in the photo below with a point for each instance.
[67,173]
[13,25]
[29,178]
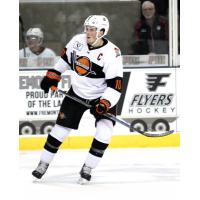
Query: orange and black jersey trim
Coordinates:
[64,56]
[115,83]
[84,67]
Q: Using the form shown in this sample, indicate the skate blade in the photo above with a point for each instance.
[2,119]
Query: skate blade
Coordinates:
[83,181]
[36,180]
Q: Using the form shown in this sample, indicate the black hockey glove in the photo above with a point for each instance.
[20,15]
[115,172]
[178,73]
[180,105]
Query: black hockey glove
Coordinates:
[51,79]
[102,107]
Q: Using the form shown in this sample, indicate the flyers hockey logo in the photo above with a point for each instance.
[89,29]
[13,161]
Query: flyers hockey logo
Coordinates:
[82,66]
[155,80]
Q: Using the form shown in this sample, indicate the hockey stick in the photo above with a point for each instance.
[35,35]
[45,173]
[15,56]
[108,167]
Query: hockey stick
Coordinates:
[110,116]
[23,33]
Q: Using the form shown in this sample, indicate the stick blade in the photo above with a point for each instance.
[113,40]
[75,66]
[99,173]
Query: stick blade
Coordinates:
[154,133]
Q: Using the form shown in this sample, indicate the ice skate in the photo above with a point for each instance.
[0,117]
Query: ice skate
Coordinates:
[85,174]
[40,170]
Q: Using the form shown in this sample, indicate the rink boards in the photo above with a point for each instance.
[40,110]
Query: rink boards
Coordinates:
[148,94]
[118,141]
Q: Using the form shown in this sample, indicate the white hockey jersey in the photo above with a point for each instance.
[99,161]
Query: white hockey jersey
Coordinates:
[96,72]
[45,59]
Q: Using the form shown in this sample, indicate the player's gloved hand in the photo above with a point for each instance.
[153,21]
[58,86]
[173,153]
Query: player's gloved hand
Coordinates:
[102,106]
[51,79]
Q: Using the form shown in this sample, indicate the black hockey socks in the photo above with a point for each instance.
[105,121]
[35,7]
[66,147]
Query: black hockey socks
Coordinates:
[52,144]
[98,148]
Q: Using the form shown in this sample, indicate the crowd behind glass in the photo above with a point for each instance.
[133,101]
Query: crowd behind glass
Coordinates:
[149,33]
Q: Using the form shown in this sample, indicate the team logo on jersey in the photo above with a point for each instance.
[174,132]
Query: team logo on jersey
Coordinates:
[62,115]
[83,66]
[78,46]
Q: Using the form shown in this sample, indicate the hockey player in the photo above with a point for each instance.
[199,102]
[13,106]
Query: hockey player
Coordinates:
[96,78]
[35,47]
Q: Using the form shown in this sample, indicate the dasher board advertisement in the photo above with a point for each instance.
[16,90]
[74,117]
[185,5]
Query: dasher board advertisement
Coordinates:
[150,93]
[34,103]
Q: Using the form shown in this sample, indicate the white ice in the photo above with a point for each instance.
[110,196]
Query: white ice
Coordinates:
[138,173]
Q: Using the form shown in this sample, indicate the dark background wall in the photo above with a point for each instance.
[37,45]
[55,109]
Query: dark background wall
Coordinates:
[60,21]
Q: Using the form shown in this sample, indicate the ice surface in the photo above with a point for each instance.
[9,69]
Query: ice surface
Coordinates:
[136,173]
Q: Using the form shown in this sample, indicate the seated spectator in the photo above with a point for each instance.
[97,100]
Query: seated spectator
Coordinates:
[151,32]
[162,6]
[35,50]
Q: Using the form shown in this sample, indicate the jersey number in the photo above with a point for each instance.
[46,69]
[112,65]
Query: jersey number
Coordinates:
[118,84]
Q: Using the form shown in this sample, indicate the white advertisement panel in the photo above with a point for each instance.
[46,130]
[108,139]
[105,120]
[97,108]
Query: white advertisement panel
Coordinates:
[34,103]
[151,93]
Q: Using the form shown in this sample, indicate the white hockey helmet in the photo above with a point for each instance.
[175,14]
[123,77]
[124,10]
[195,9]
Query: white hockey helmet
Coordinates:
[35,32]
[99,21]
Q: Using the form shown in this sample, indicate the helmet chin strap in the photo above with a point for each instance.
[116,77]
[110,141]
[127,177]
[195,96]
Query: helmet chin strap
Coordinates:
[97,39]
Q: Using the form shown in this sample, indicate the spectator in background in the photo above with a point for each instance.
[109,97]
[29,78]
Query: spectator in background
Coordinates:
[162,6]
[151,32]
[36,49]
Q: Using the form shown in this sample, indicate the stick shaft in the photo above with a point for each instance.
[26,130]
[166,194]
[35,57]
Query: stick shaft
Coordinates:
[110,116]
[89,106]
